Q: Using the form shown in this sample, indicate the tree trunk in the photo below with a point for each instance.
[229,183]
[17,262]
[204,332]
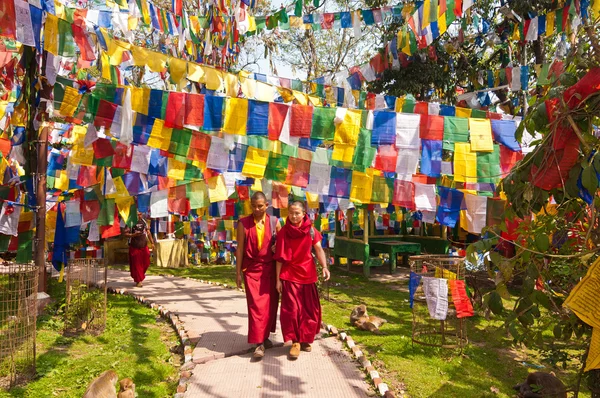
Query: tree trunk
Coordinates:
[593,380]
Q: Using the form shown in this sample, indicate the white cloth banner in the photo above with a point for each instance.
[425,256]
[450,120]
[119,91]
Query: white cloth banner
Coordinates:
[158,204]
[425,197]
[436,295]
[476,212]
[407,130]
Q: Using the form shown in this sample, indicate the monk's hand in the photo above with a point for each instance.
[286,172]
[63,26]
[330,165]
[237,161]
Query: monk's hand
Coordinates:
[326,274]
[238,281]
[278,285]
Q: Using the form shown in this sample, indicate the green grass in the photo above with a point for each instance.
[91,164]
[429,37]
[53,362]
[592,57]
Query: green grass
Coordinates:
[488,363]
[136,344]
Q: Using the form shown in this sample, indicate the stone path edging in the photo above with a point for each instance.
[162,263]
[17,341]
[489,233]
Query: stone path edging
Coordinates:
[380,386]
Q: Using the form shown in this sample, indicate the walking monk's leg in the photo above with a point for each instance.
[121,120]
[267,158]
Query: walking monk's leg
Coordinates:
[259,300]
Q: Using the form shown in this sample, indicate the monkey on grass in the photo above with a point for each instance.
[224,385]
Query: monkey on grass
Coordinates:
[541,385]
[103,386]
[127,388]
[363,321]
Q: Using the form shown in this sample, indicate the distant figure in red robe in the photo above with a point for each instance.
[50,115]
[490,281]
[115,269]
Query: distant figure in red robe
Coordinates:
[139,253]
[255,264]
[297,279]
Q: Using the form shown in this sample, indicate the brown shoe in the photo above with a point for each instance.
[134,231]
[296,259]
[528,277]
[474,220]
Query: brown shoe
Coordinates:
[305,347]
[259,352]
[139,284]
[295,351]
[268,344]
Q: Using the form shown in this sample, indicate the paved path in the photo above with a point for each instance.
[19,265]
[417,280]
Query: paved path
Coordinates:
[216,321]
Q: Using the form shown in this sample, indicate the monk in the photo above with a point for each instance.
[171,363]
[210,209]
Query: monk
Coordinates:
[139,253]
[300,315]
[255,265]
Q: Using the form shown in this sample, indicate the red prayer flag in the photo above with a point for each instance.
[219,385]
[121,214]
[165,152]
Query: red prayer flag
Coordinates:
[508,159]
[103,148]
[199,147]
[327,21]
[243,192]
[175,112]
[458,8]
[580,91]
[194,110]
[90,210]
[387,156]
[87,176]
[105,114]
[432,128]
[298,171]
[123,156]
[179,206]
[82,40]
[301,122]
[277,115]
[279,196]
[8,27]
[111,230]
[4,147]
[462,304]
[422,108]
[404,194]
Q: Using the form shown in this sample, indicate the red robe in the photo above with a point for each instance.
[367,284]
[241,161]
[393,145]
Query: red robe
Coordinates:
[259,278]
[300,306]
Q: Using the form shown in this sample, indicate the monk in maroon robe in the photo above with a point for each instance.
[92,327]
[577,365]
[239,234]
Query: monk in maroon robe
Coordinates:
[297,279]
[255,264]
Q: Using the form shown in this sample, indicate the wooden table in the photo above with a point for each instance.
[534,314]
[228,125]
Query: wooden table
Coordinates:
[393,248]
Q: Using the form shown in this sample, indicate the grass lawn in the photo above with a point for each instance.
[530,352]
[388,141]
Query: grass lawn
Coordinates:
[137,343]
[488,367]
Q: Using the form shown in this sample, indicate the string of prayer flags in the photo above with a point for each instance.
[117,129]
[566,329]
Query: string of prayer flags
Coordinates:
[448,211]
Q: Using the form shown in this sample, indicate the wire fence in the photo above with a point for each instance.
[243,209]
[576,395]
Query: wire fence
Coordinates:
[85,309]
[18,314]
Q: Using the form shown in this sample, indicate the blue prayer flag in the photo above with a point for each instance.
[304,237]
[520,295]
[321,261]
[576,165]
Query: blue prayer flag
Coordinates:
[258,118]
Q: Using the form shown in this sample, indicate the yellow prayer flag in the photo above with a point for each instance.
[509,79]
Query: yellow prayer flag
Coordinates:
[187,227]
[584,300]
[115,50]
[312,200]
[3,105]
[347,131]
[463,112]
[593,358]
[257,186]
[121,189]
[465,163]
[177,69]
[300,97]
[264,92]
[140,96]
[145,12]
[550,18]
[248,85]
[50,225]
[480,135]
[195,72]
[59,10]
[51,34]
[213,78]
[399,104]
[217,190]
[596,14]
[124,206]
[236,116]
[343,153]
[444,273]
[362,187]
[160,136]
[176,169]
[62,181]
[231,84]
[315,101]
[286,94]
[426,11]
[255,163]
[70,101]
[105,66]
[251,23]
[442,24]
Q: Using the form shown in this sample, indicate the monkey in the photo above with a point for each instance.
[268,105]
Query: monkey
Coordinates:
[127,388]
[103,386]
[541,385]
[363,321]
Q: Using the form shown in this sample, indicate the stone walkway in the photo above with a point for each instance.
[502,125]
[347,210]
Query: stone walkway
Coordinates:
[216,321]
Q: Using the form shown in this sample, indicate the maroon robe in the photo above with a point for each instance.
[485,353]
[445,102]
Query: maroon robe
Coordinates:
[259,278]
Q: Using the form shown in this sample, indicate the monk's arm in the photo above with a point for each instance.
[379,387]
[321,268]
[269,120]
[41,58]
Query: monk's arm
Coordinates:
[322,259]
[277,270]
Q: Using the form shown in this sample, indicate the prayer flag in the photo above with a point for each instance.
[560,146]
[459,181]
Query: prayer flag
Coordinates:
[236,116]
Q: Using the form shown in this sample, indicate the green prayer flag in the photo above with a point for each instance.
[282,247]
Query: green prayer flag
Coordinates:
[383,190]
[297,85]
[273,21]
[479,114]
[107,213]
[323,126]
[25,252]
[277,167]
[260,23]
[364,153]
[298,8]
[197,193]
[4,243]
[488,166]
[456,129]
[66,43]
[192,173]
[180,142]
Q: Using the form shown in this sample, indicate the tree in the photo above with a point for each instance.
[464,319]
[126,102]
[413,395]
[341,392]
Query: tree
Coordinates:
[554,249]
